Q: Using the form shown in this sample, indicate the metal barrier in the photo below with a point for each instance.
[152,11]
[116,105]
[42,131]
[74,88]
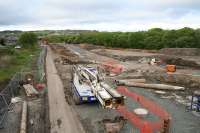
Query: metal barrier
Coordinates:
[145,126]
[41,64]
[6,95]
[3,110]
[11,89]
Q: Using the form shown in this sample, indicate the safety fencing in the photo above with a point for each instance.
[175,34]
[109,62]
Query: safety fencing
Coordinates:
[12,89]
[5,96]
[41,64]
[162,125]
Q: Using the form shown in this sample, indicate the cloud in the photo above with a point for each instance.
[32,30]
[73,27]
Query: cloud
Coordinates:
[125,15]
[15,12]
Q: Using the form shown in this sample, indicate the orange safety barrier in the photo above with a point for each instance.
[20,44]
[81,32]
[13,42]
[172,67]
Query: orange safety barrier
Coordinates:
[144,125]
[171,68]
[112,67]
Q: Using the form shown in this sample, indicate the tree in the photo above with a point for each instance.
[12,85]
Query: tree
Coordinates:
[197,37]
[169,38]
[185,42]
[28,39]
[186,38]
[153,38]
[135,40]
[2,41]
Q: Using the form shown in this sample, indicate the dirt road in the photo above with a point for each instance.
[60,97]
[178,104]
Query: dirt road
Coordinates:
[62,118]
[89,56]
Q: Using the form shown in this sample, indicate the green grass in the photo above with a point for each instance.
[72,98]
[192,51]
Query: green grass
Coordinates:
[20,59]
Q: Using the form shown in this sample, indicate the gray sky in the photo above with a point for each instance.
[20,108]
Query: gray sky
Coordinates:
[109,15]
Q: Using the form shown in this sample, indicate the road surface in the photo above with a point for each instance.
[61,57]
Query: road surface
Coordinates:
[86,55]
[62,117]
[90,56]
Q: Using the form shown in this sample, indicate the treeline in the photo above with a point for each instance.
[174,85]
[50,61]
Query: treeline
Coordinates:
[152,39]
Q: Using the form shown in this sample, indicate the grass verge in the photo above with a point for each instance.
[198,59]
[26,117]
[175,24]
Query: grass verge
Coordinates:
[18,59]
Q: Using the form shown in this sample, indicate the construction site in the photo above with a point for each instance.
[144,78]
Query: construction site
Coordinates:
[100,66]
[84,88]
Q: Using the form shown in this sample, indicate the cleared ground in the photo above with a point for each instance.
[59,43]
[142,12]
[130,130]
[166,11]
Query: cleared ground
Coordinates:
[91,115]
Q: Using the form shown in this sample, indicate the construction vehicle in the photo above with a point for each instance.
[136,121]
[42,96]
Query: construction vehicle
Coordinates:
[88,86]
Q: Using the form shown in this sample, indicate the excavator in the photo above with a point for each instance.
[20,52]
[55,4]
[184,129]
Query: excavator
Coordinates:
[88,85]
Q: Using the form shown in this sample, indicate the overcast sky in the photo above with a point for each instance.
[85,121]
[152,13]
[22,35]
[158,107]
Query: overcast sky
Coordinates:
[104,15]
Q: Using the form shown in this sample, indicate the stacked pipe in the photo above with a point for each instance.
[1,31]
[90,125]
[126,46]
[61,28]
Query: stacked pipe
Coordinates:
[107,96]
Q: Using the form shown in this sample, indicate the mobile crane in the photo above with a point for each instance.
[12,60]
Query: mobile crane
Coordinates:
[89,86]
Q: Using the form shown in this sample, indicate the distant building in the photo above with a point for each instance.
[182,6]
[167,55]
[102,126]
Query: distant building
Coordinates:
[10,37]
[11,40]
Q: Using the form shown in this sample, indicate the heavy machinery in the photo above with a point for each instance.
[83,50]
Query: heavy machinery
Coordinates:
[88,86]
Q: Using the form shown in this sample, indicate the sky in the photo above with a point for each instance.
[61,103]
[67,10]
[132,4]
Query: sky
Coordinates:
[102,15]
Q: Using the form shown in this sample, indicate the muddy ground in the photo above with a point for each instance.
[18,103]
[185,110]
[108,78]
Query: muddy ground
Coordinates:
[188,67]
[37,122]
[91,115]
[12,122]
[38,119]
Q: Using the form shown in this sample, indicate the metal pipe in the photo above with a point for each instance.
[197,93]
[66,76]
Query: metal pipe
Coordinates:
[155,86]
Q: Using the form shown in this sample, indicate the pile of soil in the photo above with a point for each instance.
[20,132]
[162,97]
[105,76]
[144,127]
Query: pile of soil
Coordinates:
[179,61]
[181,51]
[90,46]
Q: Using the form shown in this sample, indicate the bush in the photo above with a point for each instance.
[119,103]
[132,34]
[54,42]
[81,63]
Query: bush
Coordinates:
[2,42]
[28,40]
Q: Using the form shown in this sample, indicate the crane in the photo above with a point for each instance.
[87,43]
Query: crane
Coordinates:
[88,86]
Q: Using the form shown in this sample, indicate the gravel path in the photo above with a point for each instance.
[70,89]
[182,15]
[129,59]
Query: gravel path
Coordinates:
[62,118]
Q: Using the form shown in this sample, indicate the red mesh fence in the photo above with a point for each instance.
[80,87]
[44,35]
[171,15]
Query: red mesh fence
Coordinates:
[145,126]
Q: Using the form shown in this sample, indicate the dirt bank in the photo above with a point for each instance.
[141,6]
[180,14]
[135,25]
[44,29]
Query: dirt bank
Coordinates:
[181,51]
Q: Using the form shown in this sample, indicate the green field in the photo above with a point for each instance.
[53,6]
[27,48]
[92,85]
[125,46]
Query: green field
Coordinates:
[13,60]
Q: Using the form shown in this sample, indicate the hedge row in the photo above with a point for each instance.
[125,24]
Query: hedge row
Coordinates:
[152,39]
